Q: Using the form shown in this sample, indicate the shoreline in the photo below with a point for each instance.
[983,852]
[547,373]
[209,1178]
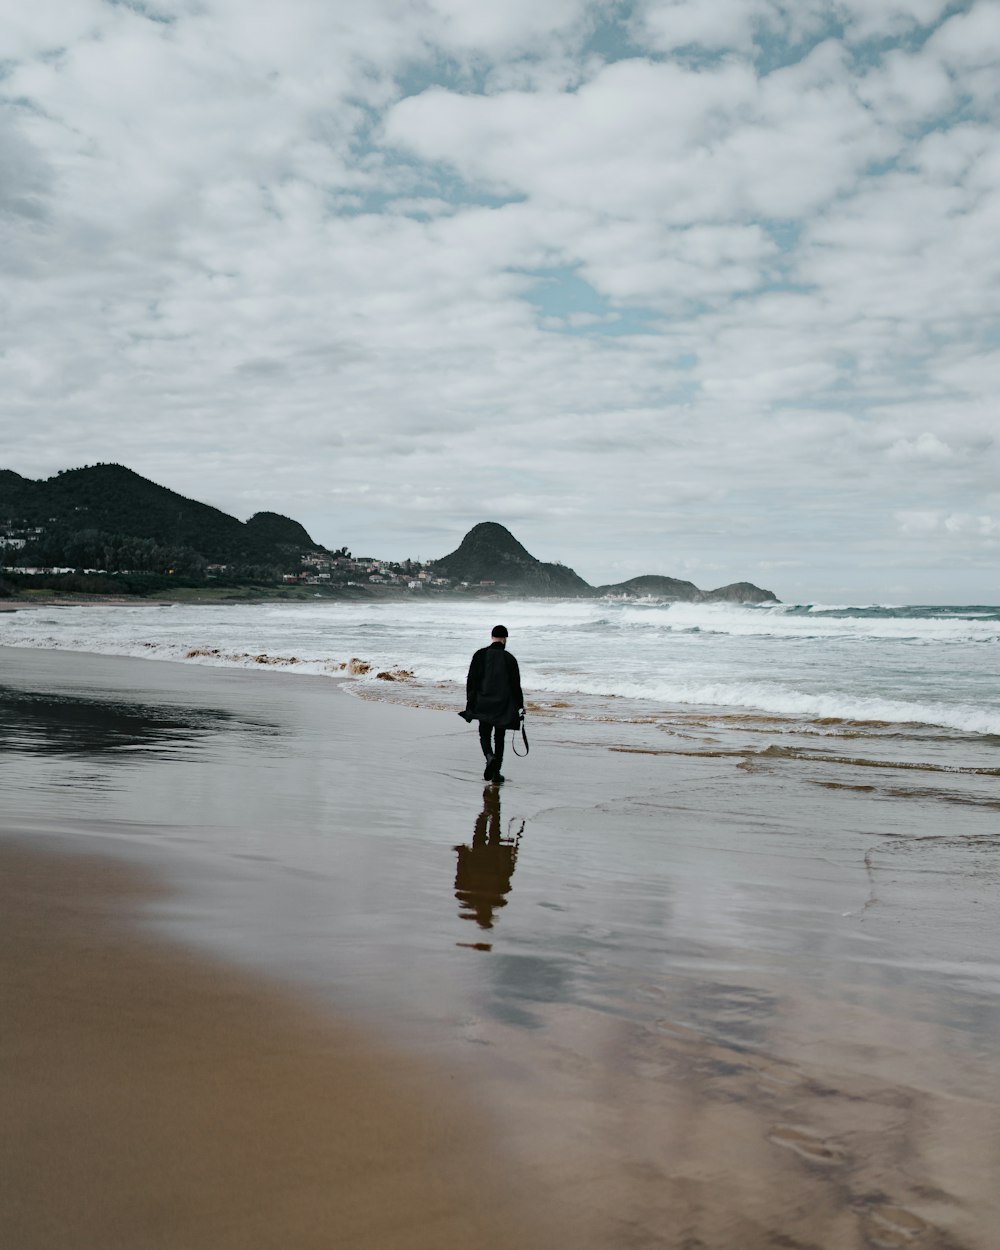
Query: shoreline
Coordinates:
[304,594]
[708,672]
[693,1002]
[887,749]
[65,601]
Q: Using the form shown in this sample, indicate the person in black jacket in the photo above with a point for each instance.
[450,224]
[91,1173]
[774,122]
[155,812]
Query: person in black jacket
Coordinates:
[493,696]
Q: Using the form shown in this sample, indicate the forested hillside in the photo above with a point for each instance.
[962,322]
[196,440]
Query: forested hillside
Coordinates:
[106,516]
[489,553]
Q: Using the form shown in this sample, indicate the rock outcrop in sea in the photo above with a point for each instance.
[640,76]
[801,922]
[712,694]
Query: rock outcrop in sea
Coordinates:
[672,590]
[739,592]
[654,586]
[489,556]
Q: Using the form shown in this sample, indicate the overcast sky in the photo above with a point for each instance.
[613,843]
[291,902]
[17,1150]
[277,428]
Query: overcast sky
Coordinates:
[698,287]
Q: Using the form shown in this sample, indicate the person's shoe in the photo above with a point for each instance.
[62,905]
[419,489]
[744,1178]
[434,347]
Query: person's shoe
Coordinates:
[498,780]
[488,770]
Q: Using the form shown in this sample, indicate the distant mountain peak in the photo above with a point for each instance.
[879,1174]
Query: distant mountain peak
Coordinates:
[489,553]
[498,538]
[107,471]
[272,527]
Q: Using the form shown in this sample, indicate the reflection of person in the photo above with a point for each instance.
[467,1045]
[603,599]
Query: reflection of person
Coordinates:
[493,696]
[482,880]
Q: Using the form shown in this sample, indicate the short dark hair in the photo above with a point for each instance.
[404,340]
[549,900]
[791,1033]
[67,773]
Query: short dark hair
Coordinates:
[499,631]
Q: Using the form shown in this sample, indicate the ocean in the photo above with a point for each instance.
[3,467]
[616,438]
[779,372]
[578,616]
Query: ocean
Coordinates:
[891,699]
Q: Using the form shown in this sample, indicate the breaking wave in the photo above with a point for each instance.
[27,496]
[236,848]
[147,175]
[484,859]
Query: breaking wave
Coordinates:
[928,625]
[788,702]
[921,666]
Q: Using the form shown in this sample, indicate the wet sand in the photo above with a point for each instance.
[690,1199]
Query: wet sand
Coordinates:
[283,974]
[149,1098]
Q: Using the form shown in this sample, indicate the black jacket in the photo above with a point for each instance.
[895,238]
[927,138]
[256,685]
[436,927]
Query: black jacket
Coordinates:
[493,688]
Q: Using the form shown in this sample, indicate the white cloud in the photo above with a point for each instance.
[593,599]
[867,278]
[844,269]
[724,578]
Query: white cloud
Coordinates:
[469,24]
[908,89]
[46,26]
[26,175]
[918,523]
[970,39]
[275,257]
[648,139]
[670,24]
[949,525]
[925,446]
[880,19]
[740,24]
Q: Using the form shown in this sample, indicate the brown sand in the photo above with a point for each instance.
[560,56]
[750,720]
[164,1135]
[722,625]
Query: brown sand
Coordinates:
[688,1143]
[152,1099]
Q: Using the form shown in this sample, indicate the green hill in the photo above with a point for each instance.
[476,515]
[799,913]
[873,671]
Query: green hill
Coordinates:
[739,592]
[106,516]
[651,584]
[491,553]
[671,589]
[279,531]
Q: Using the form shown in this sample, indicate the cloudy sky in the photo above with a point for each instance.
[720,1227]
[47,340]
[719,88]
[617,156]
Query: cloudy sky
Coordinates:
[699,287]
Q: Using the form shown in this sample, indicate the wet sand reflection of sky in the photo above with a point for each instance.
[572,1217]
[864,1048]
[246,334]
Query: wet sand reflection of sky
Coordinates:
[51,723]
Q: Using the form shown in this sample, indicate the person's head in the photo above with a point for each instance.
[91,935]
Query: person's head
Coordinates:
[500,634]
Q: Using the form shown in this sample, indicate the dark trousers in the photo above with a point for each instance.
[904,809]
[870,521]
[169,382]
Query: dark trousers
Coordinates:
[491,738]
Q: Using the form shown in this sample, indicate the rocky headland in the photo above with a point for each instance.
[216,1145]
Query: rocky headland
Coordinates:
[104,529]
[490,557]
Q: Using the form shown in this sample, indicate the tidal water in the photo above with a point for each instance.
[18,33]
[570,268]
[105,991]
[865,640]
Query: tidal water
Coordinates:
[906,697]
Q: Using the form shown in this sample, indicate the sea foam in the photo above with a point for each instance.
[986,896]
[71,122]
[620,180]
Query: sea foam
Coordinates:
[813,662]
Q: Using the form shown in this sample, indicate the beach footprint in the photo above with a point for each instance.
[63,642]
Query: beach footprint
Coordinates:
[808,1145]
[891,1228]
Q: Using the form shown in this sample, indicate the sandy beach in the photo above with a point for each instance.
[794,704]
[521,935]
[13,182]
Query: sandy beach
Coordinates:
[152,1099]
[277,971]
